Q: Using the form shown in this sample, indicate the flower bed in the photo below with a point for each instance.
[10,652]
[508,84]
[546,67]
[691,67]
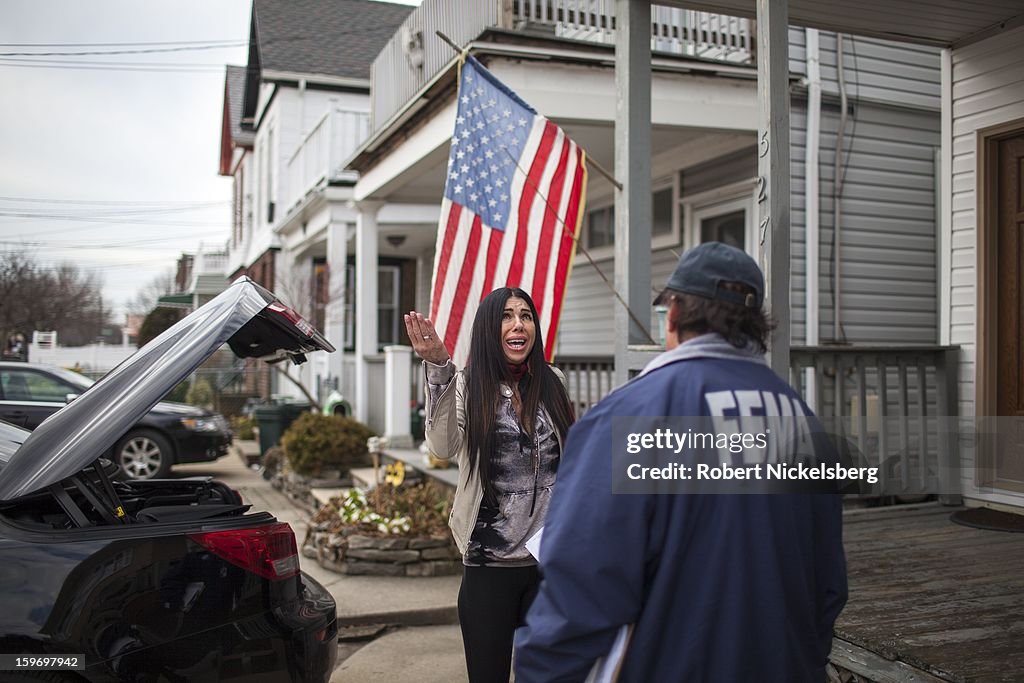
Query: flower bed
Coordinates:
[390,532]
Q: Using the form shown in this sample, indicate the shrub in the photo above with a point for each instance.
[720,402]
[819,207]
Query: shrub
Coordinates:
[243,427]
[418,510]
[200,393]
[316,443]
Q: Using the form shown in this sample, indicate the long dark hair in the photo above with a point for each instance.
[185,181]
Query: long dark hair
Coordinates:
[487,369]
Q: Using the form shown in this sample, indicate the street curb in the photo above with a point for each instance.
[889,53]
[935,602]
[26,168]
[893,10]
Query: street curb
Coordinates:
[431,616]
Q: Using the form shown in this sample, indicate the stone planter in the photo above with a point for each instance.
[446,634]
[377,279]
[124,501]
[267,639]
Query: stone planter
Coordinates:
[349,552]
[299,488]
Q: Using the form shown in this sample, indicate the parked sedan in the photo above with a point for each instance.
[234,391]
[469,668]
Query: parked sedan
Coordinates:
[170,433]
[156,579]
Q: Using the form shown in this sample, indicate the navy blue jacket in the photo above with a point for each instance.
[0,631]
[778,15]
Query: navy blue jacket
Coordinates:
[720,587]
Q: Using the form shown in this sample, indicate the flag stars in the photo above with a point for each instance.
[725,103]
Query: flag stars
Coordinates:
[465,134]
[506,113]
[460,120]
[492,202]
[490,155]
[465,99]
[487,189]
[458,189]
[460,154]
[473,197]
[521,122]
[465,168]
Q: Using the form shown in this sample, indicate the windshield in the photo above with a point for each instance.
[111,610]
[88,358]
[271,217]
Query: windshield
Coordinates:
[72,378]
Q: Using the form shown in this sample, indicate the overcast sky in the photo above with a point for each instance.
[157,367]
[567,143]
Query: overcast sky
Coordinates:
[113,169]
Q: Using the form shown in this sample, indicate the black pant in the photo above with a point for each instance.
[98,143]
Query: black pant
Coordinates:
[492,603]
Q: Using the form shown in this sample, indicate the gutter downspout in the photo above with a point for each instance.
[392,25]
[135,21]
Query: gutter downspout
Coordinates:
[837,195]
[812,227]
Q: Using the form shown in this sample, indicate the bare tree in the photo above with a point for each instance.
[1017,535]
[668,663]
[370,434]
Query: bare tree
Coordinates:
[36,298]
[145,299]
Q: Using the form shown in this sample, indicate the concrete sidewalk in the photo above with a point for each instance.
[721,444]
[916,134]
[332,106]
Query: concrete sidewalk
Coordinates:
[394,629]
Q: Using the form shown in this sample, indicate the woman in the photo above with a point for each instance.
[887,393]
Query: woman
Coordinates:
[503,418]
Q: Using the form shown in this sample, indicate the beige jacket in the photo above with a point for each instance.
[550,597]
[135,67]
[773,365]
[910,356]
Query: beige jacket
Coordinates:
[446,438]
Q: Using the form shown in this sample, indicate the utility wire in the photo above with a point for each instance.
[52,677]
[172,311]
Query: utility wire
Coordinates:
[118,202]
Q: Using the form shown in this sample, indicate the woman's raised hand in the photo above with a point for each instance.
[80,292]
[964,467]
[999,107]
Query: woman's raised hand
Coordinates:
[424,339]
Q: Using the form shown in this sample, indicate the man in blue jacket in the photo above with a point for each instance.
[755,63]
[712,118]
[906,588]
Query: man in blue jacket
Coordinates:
[715,587]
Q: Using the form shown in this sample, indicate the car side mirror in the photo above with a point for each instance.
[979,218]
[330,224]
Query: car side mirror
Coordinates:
[68,398]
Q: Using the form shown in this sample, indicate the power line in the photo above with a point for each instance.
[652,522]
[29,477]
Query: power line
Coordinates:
[113,67]
[139,51]
[117,202]
[137,44]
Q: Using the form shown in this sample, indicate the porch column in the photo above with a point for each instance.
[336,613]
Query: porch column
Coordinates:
[773,170]
[334,311]
[633,170]
[397,383]
[366,301]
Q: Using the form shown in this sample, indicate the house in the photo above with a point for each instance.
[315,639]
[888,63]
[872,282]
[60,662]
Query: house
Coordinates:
[292,116]
[865,110]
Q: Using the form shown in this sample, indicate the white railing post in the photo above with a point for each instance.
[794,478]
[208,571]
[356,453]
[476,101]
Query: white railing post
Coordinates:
[397,382]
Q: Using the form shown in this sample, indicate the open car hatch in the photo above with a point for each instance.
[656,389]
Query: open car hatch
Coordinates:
[246,317]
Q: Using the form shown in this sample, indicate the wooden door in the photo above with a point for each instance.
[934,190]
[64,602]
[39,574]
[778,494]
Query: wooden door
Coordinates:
[1009,459]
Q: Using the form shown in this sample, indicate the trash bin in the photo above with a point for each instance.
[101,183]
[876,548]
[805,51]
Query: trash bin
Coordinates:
[273,419]
[417,421]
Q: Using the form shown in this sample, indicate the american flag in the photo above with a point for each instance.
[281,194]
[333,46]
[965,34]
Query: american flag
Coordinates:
[512,207]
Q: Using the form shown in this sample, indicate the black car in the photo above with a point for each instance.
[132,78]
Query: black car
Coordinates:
[156,580]
[169,433]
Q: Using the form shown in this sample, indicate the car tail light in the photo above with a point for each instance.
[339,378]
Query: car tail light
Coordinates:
[292,317]
[269,551]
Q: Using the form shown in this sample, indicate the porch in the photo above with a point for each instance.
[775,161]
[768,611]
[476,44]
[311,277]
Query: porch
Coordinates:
[930,600]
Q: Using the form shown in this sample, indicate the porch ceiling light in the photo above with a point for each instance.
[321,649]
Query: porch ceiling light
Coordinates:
[395,240]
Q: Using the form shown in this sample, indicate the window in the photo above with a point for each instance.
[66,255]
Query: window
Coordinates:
[388,305]
[599,233]
[600,228]
[33,386]
[388,293]
[729,221]
[661,213]
[269,191]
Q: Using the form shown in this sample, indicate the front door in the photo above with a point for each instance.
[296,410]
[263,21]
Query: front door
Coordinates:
[1009,206]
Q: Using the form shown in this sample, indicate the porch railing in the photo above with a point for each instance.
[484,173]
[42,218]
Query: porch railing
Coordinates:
[589,379]
[414,55]
[323,151]
[892,404]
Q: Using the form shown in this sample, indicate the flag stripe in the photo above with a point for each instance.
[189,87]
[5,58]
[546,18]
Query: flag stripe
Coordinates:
[458,308]
[493,250]
[449,287]
[519,186]
[445,254]
[558,248]
[550,225]
[573,220]
[515,271]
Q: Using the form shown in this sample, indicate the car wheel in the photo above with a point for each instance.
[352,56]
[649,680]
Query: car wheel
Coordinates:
[143,454]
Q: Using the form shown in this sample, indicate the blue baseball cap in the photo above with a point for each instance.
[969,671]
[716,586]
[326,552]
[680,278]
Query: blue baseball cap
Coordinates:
[703,269]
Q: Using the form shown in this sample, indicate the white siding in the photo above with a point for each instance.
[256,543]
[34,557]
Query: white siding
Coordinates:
[874,70]
[888,267]
[987,90]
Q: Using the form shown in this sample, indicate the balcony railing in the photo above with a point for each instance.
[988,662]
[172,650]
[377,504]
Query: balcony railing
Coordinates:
[414,55]
[321,155]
